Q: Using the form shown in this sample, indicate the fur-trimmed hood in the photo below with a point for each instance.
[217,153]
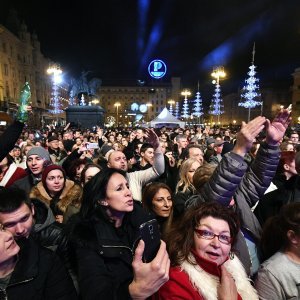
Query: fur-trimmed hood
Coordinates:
[207,284]
[71,193]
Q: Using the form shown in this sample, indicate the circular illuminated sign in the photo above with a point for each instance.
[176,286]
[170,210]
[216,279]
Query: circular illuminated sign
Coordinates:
[143,108]
[134,106]
[157,69]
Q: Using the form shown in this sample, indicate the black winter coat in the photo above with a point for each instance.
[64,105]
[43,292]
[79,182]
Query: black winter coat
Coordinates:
[9,138]
[39,275]
[272,202]
[104,254]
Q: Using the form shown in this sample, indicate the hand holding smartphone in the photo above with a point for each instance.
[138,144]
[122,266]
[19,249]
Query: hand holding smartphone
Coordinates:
[151,236]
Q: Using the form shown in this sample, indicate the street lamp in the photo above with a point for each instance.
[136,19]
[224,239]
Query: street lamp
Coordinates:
[56,72]
[218,73]
[117,105]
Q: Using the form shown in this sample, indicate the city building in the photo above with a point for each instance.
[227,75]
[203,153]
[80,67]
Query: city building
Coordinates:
[131,103]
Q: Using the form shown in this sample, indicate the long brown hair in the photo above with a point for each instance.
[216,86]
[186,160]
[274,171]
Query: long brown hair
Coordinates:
[180,240]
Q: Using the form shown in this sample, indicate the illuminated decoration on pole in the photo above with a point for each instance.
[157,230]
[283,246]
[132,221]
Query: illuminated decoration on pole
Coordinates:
[171,102]
[198,109]
[185,107]
[250,92]
[217,107]
[177,110]
[82,101]
[157,69]
[55,103]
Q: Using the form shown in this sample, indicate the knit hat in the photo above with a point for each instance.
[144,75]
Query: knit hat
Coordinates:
[106,150]
[49,169]
[52,138]
[39,151]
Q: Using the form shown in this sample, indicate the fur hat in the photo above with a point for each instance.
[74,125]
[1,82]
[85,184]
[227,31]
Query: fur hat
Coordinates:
[39,151]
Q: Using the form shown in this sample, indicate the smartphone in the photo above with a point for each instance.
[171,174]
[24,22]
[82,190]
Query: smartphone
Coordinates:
[151,236]
[92,146]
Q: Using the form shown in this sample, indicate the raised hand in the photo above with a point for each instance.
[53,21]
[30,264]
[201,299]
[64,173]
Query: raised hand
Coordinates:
[152,138]
[276,129]
[247,134]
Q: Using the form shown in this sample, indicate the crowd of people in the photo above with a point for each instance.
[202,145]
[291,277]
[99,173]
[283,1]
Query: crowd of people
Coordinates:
[226,202]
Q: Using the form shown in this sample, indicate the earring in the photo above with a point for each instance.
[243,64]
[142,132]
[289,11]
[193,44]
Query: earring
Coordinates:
[231,255]
[104,203]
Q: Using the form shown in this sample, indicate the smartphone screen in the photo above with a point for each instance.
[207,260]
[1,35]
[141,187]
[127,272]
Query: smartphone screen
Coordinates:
[151,236]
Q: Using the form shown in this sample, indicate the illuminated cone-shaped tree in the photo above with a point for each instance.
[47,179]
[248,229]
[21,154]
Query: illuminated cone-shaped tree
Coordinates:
[216,107]
[198,109]
[177,110]
[185,113]
[250,94]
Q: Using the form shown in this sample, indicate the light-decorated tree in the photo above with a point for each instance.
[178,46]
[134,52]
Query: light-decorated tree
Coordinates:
[185,111]
[177,110]
[198,109]
[216,107]
[251,96]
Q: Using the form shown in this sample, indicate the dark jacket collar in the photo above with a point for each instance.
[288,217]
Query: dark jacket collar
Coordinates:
[26,268]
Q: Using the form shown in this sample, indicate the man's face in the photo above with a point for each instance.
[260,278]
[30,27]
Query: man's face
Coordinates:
[148,156]
[139,134]
[218,148]
[54,145]
[196,153]
[182,143]
[117,160]
[31,136]
[35,164]
[66,136]
[77,134]
[18,222]
[294,138]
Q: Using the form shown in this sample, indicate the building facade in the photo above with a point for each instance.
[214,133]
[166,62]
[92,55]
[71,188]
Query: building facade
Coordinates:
[21,60]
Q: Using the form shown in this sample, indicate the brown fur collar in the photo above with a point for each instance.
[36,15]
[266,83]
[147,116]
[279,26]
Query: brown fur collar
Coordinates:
[71,193]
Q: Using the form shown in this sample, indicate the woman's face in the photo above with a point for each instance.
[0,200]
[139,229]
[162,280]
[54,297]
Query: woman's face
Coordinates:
[8,247]
[55,181]
[192,170]
[212,250]
[162,203]
[90,173]
[118,195]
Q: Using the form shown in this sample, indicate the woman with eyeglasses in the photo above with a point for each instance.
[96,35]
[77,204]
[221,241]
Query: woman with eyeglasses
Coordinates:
[203,262]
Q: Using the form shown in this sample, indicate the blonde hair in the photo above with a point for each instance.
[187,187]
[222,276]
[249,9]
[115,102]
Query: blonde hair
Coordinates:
[184,182]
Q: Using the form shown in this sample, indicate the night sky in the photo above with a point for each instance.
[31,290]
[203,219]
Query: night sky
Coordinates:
[116,39]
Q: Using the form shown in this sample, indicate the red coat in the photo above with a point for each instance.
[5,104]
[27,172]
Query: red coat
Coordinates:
[18,174]
[178,287]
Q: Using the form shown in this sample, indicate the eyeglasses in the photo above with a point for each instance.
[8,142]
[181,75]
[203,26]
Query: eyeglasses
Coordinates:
[208,235]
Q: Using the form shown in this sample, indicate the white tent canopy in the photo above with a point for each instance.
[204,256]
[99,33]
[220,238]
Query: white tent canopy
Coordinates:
[165,118]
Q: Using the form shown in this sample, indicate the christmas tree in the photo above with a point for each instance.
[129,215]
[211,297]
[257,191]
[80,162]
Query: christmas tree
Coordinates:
[216,107]
[250,94]
[177,110]
[198,110]
[185,106]
[55,103]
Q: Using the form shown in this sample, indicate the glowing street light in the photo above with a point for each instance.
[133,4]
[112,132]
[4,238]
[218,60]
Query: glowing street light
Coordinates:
[56,72]
[117,105]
